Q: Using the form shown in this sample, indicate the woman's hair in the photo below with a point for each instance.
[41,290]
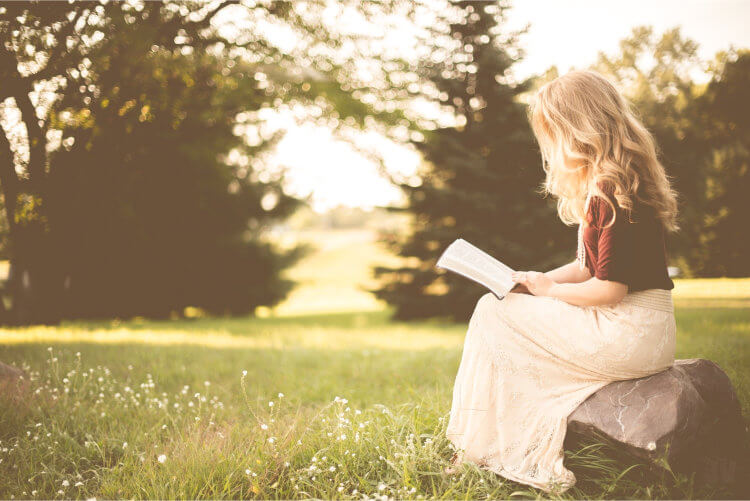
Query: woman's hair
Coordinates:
[590,137]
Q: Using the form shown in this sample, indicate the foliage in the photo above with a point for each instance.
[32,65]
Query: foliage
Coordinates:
[702,137]
[481,176]
[724,246]
[141,151]
[147,204]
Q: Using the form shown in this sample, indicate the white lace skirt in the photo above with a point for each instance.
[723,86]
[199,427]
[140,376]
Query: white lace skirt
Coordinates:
[529,361]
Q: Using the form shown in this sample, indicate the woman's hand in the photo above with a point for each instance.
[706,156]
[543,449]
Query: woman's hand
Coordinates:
[536,282]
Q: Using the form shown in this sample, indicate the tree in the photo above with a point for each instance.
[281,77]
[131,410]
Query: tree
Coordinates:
[149,215]
[62,64]
[481,177]
[702,139]
[724,246]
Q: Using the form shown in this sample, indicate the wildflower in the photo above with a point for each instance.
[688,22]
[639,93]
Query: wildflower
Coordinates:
[381,486]
[207,383]
[124,445]
[271,439]
[65,483]
[270,404]
[281,395]
[247,471]
[332,468]
[162,458]
[60,492]
[78,484]
[244,373]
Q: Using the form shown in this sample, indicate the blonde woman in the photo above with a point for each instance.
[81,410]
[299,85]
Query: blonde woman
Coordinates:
[531,358]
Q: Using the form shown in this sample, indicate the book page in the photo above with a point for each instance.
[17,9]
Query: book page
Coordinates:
[465,259]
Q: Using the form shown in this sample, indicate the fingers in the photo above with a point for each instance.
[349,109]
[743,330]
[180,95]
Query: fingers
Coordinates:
[525,277]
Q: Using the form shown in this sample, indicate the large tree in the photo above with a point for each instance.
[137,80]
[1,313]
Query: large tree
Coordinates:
[702,138]
[482,175]
[121,124]
[656,72]
[724,246]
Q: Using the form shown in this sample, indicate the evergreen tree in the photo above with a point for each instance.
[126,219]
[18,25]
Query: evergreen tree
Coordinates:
[481,178]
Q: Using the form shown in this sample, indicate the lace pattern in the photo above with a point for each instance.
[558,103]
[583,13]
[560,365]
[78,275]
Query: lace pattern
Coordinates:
[529,361]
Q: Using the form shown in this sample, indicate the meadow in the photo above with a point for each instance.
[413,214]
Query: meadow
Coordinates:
[340,404]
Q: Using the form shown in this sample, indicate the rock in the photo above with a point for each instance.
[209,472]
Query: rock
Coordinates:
[12,380]
[688,414]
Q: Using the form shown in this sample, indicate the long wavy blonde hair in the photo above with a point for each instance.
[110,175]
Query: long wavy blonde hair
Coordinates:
[590,137]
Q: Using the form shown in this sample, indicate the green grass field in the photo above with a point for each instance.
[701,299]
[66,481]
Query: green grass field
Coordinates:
[333,405]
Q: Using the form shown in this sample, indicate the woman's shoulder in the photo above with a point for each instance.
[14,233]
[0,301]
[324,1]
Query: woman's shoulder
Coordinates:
[604,206]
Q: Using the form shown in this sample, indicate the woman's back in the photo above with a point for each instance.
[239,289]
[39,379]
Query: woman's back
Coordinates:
[633,253]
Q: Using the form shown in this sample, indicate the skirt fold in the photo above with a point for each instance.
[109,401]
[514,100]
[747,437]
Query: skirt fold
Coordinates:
[529,361]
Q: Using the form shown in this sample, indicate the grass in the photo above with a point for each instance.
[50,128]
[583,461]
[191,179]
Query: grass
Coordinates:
[336,405]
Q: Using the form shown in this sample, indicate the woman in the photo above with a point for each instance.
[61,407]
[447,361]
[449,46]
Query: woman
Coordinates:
[531,358]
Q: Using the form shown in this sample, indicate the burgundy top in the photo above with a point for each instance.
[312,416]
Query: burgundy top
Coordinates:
[633,253]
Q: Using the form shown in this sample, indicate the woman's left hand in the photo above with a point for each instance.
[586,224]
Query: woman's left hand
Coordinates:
[536,282]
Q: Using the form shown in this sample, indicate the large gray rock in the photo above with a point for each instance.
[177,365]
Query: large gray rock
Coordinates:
[12,380]
[688,414]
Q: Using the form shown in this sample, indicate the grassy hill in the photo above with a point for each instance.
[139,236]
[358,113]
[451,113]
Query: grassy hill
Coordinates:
[323,398]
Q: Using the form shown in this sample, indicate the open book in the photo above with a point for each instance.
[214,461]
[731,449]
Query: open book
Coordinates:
[465,259]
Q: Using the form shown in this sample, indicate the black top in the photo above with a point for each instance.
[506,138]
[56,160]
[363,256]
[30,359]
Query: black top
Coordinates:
[633,253]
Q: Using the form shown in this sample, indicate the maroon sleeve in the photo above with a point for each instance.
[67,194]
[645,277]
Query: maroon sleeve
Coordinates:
[614,244]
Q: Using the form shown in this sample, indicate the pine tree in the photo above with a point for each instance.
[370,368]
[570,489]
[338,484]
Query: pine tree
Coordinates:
[481,178]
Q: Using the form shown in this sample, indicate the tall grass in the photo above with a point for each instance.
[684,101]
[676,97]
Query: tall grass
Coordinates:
[344,406]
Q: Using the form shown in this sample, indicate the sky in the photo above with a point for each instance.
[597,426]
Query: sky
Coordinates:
[565,33]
